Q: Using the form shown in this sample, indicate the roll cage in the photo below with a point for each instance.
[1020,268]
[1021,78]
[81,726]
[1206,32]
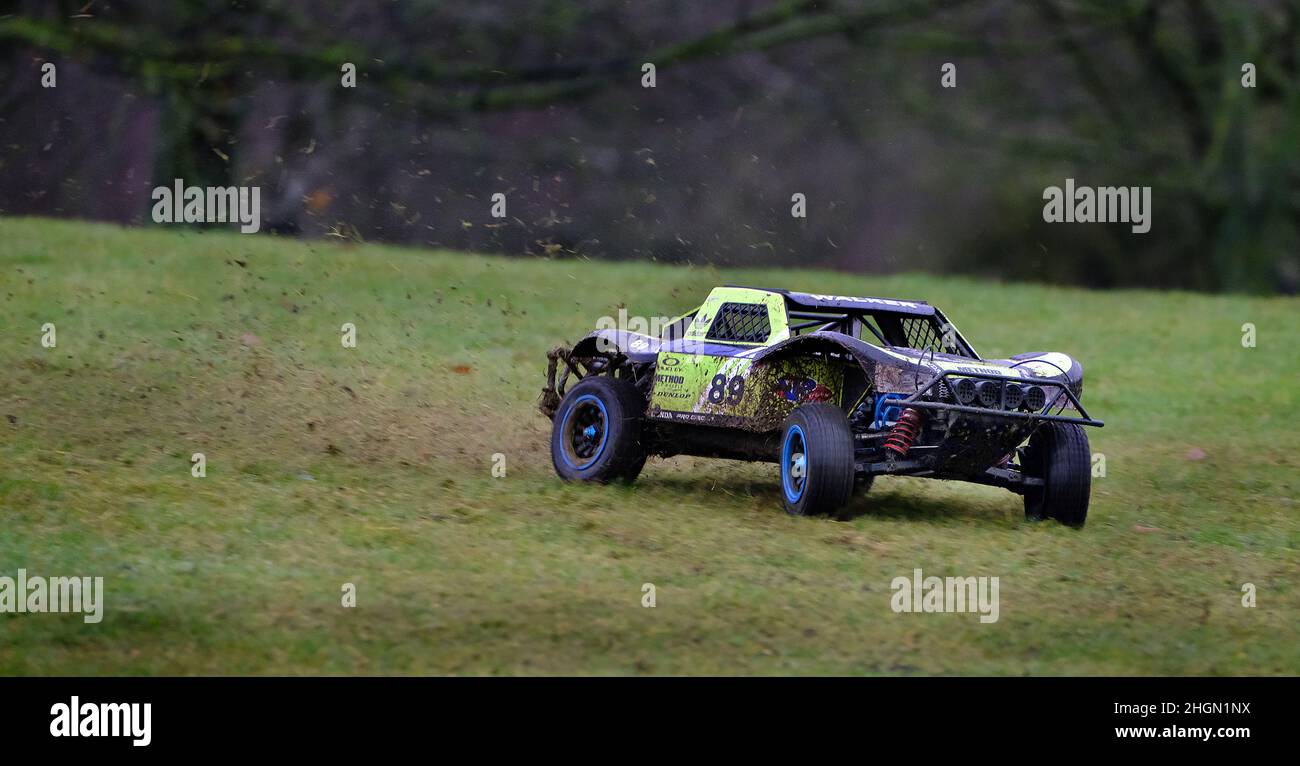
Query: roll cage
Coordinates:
[883,321]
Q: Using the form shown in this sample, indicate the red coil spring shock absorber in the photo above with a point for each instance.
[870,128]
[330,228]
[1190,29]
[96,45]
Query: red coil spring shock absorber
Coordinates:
[904,433]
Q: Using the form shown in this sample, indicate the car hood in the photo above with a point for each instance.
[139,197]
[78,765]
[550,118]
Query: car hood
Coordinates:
[1035,365]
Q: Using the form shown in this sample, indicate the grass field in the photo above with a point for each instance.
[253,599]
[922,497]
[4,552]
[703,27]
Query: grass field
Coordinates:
[372,466]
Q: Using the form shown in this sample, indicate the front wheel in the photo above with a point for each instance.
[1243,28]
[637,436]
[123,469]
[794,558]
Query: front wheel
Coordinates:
[1058,453]
[816,460]
[596,435]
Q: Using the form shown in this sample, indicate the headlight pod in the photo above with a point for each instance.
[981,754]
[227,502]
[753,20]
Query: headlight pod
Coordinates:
[965,390]
[998,395]
[990,392]
[1035,398]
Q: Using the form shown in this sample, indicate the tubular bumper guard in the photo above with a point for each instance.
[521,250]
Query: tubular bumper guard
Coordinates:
[915,400]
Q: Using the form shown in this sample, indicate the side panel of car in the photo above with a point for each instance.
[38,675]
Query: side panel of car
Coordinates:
[736,392]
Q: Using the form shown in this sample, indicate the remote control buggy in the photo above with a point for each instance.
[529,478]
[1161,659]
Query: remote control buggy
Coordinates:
[835,390]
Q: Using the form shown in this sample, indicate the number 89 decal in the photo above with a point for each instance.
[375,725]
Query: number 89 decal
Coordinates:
[723,389]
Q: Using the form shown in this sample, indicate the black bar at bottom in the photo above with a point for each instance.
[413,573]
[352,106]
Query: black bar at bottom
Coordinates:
[544,717]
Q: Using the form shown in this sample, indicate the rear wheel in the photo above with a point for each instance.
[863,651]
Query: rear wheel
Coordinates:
[596,434]
[816,460]
[1058,453]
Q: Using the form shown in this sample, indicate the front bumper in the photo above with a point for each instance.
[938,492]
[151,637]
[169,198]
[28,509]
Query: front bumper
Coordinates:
[919,401]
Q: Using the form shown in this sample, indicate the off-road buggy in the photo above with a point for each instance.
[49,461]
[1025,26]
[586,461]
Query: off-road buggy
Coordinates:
[835,390]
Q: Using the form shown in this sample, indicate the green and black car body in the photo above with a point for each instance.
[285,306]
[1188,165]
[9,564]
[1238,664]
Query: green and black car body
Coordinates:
[834,389]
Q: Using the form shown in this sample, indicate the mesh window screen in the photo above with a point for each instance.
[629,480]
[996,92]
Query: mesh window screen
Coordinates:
[921,334]
[740,323]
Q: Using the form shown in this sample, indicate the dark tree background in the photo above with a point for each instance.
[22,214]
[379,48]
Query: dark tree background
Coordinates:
[755,100]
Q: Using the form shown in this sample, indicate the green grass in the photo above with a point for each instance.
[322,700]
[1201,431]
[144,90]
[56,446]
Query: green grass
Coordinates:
[373,466]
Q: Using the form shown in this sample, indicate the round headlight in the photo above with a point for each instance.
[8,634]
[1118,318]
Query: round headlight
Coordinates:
[965,388]
[1035,398]
[989,392]
[1012,396]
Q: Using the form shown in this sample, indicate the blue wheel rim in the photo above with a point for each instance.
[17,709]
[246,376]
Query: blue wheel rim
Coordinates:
[584,432]
[794,454]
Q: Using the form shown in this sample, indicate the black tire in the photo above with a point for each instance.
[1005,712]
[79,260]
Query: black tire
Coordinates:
[861,486]
[1058,453]
[1031,465]
[634,469]
[596,433]
[823,433]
